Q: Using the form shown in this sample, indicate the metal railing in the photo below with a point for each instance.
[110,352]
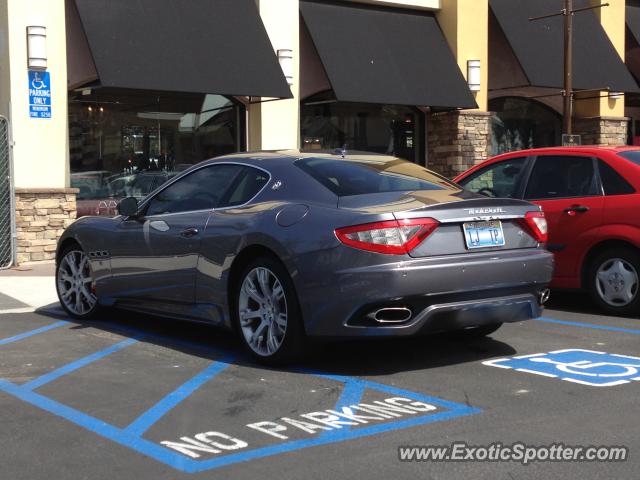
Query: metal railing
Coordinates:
[7,210]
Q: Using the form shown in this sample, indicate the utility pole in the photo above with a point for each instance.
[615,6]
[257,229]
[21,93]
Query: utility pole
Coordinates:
[567,110]
[567,93]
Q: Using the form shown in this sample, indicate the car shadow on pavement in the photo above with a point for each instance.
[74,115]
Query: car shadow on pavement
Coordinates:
[387,356]
[572,302]
[369,357]
[580,303]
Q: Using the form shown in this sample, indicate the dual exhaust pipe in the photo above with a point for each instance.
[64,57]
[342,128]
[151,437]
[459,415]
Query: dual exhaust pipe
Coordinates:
[388,315]
[391,315]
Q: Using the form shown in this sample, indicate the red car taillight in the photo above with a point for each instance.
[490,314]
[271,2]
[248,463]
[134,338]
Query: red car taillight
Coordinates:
[536,225]
[394,237]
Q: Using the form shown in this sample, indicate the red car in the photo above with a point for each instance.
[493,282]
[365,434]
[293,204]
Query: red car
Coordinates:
[591,199]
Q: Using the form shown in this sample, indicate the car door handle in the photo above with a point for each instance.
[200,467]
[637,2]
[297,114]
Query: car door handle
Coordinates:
[189,232]
[576,209]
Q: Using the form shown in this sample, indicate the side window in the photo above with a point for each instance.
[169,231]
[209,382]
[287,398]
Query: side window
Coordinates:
[612,182]
[245,187]
[562,176]
[498,180]
[200,190]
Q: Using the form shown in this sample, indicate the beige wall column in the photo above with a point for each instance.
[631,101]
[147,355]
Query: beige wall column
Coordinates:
[601,120]
[44,204]
[465,24]
[458,140]
[40,153]
[275,125]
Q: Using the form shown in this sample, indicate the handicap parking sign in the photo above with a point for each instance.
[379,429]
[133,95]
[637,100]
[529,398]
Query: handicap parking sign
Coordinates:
[598,369]
[39,94]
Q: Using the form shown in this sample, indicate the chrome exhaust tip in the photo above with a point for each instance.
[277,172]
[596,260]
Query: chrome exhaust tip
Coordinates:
[543,296]
[392,315]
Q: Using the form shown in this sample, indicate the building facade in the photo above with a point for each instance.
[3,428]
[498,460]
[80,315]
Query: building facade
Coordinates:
[110,98]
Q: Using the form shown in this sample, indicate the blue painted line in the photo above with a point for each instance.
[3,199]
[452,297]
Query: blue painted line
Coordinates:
[77,364]
[389,389]
[170,341]
[180,462]
[160,409]
[99,427]
[351,395]
[31,333]
[338,436]
[130,436]
[342,435]
[595,326]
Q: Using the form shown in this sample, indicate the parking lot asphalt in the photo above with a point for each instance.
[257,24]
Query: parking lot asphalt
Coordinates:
[136,397]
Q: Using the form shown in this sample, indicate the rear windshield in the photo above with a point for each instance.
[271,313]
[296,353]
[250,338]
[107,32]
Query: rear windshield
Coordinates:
[633,155]
[355,177]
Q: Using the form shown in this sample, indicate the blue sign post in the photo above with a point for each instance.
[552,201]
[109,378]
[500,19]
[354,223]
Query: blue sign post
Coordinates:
[39,94]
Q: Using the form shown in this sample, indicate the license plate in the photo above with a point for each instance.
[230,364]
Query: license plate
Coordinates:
[483,234]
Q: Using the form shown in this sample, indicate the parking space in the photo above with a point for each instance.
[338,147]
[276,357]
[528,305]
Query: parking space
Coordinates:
[131,396]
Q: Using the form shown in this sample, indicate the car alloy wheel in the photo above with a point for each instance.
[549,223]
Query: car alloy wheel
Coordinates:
[617,282]
[262,311]
[74,282]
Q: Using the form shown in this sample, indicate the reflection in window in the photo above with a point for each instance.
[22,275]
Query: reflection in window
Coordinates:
[500,180]
[127,143]
[362,177]
[200,190]
[560,176]
[387,129]
[522,123]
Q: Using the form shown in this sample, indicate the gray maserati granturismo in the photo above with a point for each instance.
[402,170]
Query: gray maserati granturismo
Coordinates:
[281,246]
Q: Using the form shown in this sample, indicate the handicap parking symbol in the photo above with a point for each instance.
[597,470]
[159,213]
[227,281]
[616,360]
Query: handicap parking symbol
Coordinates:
[39,94]
[597,369]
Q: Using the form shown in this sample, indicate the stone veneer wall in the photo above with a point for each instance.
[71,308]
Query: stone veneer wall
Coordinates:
[41,217]
[602,130]
[458,140]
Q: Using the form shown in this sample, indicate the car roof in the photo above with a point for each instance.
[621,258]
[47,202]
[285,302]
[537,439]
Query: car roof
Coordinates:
[89,172]
[577,150]
[589,149]
[293,155]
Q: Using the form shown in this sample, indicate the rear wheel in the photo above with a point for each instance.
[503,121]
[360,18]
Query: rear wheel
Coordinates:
[613,280]
[268,316]
[75,283]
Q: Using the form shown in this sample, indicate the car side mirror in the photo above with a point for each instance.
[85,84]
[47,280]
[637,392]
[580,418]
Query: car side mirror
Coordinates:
[128,207]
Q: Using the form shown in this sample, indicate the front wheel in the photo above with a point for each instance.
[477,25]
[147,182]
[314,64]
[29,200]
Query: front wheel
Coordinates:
[613,281]
[75,284]
[267,313]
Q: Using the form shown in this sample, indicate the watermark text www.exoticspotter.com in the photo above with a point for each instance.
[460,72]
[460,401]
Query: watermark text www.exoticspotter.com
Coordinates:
[516,452]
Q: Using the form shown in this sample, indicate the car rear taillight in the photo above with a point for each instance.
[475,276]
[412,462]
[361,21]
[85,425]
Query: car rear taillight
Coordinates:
[536,225]
[394,237]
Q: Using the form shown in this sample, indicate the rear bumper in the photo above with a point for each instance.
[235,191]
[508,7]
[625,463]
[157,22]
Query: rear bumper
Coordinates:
[442,317]
[442,293]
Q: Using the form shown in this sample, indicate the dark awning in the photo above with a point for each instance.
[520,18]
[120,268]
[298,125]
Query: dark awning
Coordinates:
[633,20]
[538,45]
[199,46]
[385,56]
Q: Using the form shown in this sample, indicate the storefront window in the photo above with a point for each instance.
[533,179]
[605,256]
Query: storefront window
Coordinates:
[389,129]
[128,144]
[522,123]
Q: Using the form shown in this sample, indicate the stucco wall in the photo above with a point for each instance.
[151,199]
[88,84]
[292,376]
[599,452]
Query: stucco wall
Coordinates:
[465,24]
[41,152]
